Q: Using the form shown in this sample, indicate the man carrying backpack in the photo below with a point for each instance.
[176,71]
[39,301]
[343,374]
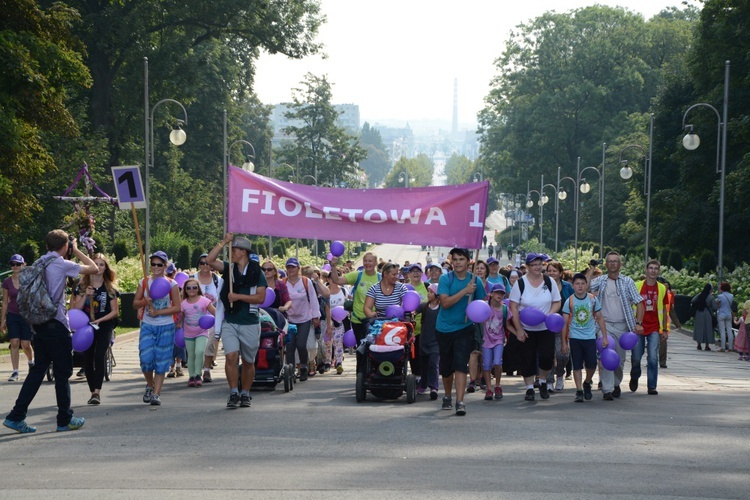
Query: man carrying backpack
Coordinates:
[52,340]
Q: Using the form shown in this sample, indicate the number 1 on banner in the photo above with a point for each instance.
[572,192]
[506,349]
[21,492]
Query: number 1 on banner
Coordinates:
[475,210]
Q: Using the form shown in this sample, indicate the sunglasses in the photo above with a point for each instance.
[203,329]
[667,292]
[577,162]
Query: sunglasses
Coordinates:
[191,287]
[267,269]
[157,264]
[202,263]
[16,264]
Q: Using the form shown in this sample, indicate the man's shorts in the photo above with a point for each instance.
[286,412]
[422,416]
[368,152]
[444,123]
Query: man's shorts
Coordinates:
[455,348]
[242,338]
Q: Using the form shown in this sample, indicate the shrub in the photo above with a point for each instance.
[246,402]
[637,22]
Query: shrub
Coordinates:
[120,250]
[182,259]
[29,251]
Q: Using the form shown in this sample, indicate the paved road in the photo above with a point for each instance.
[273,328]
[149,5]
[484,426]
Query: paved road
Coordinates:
[316,442]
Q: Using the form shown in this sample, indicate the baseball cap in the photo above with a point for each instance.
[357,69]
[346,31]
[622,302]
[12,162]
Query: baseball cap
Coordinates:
[292,262]
[171,268]
[242,242]
[17,258]
[497,287]
[492,260]
[430,265]
[202,256]
[433,287]
[531,257]
[160,255]
[414,266]
[545,257]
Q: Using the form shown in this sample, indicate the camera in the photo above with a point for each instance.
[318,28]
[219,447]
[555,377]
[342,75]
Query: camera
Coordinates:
[595,262]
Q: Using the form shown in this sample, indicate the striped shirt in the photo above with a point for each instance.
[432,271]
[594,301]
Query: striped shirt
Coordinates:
[383,301]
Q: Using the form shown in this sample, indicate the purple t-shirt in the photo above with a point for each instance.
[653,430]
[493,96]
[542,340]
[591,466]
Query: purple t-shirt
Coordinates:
[12,295]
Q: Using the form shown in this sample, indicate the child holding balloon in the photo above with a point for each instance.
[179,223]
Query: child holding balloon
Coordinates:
[581,310]
[495,330]
[194,307]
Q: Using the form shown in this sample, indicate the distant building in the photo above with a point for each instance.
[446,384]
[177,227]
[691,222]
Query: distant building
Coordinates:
[348,119]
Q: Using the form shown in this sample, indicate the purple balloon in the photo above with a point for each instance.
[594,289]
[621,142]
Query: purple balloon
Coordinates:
[554,322]
[394,312]
[628,340]
[411,301]
[611,344]
[339,313]
[349,339]
[206,321]
[610,359]
[478,311]
[409,286]
[181,278]
[329,257]
[77,319]
[83,338]
[425,278]
[532,316]
[179,338]
[160,288]
[270,297]
[337,248]
[326,268]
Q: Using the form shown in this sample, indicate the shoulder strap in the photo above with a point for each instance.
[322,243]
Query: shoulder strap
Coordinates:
[521,285]
[548,282]
[305,283]
[356,283]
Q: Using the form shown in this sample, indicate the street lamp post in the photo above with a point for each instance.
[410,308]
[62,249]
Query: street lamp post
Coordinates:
[478,177]
[530,203]
[626,173]
[247,165]
[520,215]
[176,137]
[691,141]
[561,195]
[544,201]
[404,177]
[585,188]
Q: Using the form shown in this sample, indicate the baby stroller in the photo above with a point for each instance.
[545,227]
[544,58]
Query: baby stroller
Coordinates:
[386,362]
[269,363]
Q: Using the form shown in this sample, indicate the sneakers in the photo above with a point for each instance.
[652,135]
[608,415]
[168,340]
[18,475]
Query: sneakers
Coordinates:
[148,394]
[633,384]
[234,400]
[421,390]
[608,396]
[529,395]
[81,373]
[489,395]
[191,382]
[171,373]
[303,373]
[543,392]
[245,400]
[155,400]
[498,393]
[21,427]
[560,384]
[579,397]
[460,409]
[433,395]
[74,424]
[471,387]
[587,391]
[339,369]
[198,381]
[653,392]
[207,377]
[616,393]
[13,378]
[178,372]
[481,384]
[95,399]
[447,403]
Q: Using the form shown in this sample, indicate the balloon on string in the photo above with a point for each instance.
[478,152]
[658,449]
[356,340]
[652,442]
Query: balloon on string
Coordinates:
[532,316]
[478,311]
[206,321]
[610,359]
[628,340]
[339,313]
[411,301]
[349,339]
[554,322]
[83,338]
[326,268]
[425,278]
[329,257]
[159,288]
[181,278]
[394,311]
[409,286]
[179,338]
[337,248]
[611,344]
[77,319]
[270,297]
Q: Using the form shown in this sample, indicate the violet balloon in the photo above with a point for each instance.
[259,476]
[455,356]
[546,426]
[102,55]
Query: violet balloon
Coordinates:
[628,340]
[338,313]
[179,338]
[159,288]
[181,278]
[349,339]
[329,257]
[611,344]
[83,338]
[337,248]
[478,311]
[409,286]
[270,297]
[394,312]
[206,321]
[554,322]
[532,316]
[610,359]
[411,301]
[77,319]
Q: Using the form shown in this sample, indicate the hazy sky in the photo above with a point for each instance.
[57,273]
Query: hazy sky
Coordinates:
[397,59]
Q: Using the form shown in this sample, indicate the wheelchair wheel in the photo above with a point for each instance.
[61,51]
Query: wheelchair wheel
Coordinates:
[108,364]
[287,376]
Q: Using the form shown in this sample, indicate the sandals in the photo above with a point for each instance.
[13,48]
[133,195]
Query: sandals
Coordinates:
[95,399]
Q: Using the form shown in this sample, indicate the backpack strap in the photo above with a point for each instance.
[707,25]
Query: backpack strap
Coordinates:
[356,283]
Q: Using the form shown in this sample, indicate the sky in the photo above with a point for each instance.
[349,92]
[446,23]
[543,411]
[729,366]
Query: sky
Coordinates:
[397,59]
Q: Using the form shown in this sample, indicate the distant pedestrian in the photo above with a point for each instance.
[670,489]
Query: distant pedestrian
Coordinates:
[703,307]
[19,330]
[484,241]
[725,316]
[490,250]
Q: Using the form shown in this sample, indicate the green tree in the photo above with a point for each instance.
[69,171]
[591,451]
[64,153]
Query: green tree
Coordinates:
[458,169]
[377,164]
[320,148]
[420,170]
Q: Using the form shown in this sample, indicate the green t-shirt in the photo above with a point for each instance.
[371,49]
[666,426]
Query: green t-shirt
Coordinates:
[358,309]
[422,291]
